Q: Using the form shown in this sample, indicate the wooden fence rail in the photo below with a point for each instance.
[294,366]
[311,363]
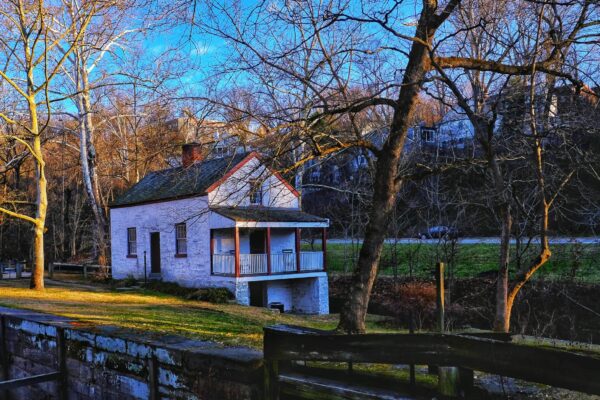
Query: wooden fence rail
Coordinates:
[578,371]
[84,269]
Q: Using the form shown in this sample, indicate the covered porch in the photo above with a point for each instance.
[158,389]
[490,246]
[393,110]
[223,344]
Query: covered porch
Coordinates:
[254,246]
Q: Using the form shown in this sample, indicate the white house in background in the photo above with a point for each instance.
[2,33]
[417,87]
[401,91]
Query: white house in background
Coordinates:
[225,222]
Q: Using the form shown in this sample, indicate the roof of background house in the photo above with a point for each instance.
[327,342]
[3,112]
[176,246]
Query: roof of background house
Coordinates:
[178,182]
[266,214]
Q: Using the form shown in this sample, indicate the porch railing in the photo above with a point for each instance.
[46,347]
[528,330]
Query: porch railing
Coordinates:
[311,260]
[283,262]
[256,264]
[252,264]
[223,264]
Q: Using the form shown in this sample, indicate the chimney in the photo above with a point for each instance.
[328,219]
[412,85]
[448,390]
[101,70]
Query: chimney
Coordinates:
[191,153]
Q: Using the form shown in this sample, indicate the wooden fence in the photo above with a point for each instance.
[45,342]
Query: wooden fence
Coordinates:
[493,354]
[13,268]
[84,269]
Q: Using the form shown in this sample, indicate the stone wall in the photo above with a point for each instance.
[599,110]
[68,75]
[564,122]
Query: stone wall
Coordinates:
[193,270]
[311,296]
[112,363]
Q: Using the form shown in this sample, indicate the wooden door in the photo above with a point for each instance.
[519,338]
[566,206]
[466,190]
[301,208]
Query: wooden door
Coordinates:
[257,242]
[155,252]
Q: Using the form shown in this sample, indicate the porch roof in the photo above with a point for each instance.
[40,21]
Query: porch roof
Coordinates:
[266,216]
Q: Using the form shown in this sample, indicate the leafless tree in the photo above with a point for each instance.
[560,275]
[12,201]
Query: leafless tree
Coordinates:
[352,58]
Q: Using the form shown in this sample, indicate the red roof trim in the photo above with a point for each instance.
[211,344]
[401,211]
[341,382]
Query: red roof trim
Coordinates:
[232,171]
[285,182]
[244,162]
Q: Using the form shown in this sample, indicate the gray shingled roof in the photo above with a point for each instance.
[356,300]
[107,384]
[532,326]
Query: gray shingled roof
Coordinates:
[266,214]
[179,182]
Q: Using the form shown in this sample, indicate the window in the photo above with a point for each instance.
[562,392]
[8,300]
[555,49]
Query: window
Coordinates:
[427,135]
[220,151]
[256,193]
[181,239]
[315,176]
[131,242]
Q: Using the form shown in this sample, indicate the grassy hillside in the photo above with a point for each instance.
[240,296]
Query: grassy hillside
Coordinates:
[469,260]
[157,313]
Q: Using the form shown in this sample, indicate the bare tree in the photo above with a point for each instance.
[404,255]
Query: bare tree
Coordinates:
[29,52]
[352,58]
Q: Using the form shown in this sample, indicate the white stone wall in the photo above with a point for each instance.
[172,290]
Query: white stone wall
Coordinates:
[242,293]
[282,239]
[193,270]
[280,292]
[235,190]
[311,296]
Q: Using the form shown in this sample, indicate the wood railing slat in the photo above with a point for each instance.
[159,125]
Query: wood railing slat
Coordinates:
[555,367]
[30,380]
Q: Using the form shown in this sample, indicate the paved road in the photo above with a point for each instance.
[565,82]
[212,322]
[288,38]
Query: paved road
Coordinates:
[475,240]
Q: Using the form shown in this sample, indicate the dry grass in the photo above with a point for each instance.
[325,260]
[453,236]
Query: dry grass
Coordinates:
[156,313]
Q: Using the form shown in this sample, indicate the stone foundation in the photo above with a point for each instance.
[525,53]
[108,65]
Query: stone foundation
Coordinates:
[112,363]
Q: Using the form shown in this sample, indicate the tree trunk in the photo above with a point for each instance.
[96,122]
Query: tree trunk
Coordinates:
[502,318]
[386,185]
[88,167]
[37,272]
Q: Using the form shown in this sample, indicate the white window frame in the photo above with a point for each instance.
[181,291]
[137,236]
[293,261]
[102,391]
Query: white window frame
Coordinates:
[181,239]
[132,242]
[256,192]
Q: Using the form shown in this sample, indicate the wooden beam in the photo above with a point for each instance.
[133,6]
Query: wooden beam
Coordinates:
[236,242]
[439,281]
[268,250]
[4,360]
[61,353]
[30,380]
[298,233]
[549,366]
[212,249]
[324,247]
[152,364]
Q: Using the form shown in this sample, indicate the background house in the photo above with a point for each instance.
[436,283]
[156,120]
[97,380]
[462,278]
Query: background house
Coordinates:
[223,222]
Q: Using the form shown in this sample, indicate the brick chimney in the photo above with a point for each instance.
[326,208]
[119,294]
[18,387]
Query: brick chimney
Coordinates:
[191,153]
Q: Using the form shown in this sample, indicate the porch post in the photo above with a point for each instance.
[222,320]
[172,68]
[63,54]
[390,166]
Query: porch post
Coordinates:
[324,247]
[236,241]
[269,250]
[212,249]
[298,250]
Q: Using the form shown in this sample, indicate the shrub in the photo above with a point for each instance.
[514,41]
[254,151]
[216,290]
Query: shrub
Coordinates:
[212,295]
[130,281]
[171,288]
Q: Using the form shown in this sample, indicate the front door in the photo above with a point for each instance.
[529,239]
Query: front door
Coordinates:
[257,242]
[257,294]
[155,252]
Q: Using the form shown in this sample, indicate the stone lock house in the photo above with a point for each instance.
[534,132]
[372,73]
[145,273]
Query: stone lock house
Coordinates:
[223,222]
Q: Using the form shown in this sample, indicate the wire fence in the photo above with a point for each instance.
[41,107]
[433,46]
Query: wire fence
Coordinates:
[574,262]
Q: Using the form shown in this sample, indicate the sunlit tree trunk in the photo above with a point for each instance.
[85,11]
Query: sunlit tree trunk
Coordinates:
[386,185]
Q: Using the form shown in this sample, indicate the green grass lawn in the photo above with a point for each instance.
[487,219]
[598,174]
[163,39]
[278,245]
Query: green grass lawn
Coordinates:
[157,313]
[580,261]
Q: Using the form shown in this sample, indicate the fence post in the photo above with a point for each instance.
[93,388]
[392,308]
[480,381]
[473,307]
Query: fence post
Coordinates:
[61,363]
[4,367]
[452,381]
[411,330]
[153,377]
[51,270]
[271,373]
[18,269]
[85,271]
[439,297]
